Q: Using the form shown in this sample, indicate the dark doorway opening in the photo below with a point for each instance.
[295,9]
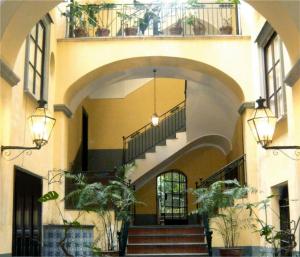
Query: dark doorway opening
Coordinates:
[27,214]
[85,136]
[172,198]
[284,217]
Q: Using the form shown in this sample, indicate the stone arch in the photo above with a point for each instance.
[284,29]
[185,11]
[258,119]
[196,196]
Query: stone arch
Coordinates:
[141,67]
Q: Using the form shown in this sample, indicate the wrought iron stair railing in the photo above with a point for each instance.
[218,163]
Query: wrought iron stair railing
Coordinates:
[233,170]
[147,137]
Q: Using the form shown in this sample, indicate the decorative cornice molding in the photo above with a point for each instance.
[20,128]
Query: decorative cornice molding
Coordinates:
[246,105]
[8,74]
[293,75]
[63,108]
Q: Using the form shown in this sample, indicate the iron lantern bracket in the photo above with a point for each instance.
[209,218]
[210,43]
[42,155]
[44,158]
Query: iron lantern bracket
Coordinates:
[3,148]
[289,147]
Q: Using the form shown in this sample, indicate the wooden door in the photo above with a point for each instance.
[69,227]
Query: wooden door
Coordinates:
[27,215]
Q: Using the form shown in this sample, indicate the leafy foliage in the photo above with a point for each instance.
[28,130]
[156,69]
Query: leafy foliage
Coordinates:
[219,201]
[50,196]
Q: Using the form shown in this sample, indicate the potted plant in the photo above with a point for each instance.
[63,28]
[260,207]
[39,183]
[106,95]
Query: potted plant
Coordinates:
[126,19]
[218,203]
[112,203]
[226,28]
[198,26]
[280,240]
[103,28]
[176,29]
[76,20]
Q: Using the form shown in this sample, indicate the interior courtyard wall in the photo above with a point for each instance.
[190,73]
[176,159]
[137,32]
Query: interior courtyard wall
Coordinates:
[15,108]
[195,164]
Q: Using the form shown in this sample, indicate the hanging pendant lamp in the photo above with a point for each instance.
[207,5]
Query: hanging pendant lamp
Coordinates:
[155,117]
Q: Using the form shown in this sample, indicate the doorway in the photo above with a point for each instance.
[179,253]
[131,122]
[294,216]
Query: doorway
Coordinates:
[27,214]
[172,198]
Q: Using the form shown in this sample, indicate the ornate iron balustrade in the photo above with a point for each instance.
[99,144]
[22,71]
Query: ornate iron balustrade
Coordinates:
[147,137]
[150,20]
[234,170]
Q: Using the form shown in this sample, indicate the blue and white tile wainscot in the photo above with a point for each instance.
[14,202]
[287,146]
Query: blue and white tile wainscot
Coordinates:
[78,240]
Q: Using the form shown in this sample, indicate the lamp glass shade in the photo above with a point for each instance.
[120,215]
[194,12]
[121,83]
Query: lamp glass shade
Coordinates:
[155,120]
[41,126]
[262,125]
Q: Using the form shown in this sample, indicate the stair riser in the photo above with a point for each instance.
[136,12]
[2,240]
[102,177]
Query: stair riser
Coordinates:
[157,239]
[145,249]
[165,231]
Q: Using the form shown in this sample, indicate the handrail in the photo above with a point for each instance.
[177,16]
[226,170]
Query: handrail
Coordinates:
[236,165]
[147,137]
[160,118]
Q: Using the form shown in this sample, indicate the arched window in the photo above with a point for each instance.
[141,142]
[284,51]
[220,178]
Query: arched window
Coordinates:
[172,198]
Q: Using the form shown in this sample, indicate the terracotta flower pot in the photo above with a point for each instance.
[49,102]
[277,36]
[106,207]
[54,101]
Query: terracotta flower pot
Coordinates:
[110,253]
[130,31]
[231,252]
[226,30]
[199,30]
[176,30]
[80,32]
[102,32]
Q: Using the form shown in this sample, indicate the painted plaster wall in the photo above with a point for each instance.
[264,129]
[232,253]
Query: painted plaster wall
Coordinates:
[111,119]
[15,108]
[196,164]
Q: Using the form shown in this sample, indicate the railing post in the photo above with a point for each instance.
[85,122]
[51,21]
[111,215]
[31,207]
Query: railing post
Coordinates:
[237,20]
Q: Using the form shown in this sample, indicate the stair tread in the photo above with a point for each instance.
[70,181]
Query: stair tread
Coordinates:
[167,254]
[167,244]
[168,235]
[167,226]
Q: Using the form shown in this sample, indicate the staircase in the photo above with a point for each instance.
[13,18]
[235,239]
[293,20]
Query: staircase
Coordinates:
[159,241]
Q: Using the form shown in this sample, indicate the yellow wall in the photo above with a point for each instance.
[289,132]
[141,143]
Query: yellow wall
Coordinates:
[111,119]
[199,163]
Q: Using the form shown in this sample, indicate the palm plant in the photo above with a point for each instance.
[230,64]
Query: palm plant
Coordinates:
[218,201]
[112,203]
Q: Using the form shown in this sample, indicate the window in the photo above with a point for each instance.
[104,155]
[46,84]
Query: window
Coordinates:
[274,75]
[36,60]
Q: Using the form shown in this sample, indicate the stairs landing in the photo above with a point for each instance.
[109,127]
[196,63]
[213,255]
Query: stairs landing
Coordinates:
[159,241]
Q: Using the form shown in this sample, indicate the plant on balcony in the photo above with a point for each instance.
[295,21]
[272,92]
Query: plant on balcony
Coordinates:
[176,29]
[77,22]
[130,27]
[218,203]
[104,24]
[226,28]
[198,26]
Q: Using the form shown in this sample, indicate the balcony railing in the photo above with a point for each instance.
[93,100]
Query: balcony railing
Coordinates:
[150,20]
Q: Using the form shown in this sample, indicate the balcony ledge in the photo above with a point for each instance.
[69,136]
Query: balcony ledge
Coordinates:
[205,37]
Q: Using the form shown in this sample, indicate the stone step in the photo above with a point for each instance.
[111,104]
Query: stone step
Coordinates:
[161,248]
[166,230]
[167,238]
[169,255]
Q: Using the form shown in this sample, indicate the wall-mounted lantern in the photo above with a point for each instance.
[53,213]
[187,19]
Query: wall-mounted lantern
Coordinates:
[41,125]
[263,124]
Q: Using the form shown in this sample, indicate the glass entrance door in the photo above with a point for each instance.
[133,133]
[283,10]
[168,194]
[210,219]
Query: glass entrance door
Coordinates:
[172,198]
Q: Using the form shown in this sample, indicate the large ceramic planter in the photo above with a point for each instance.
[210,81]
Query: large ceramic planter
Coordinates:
[199,30]
[77,243]
[80,32]
[102,32]
[234,252]
[130,31]
[110,253]
[176,30]
[226,30]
